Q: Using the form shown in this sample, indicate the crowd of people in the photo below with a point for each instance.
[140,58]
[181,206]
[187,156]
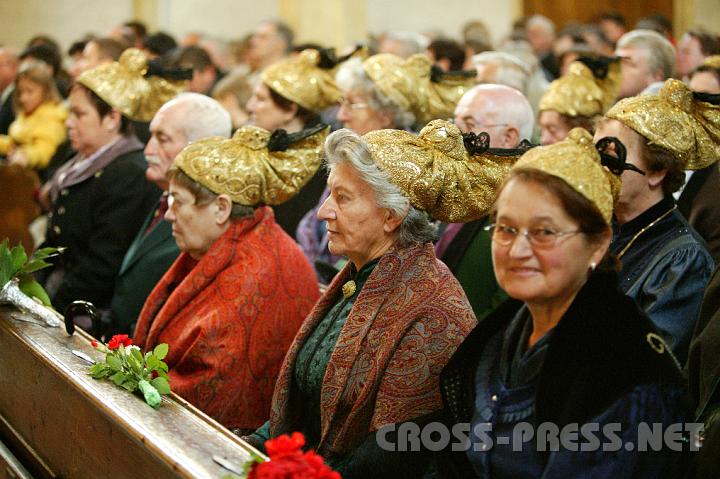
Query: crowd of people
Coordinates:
[416,232]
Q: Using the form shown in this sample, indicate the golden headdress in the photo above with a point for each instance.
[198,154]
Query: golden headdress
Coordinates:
[438,174]
[416,86]
[588,89]
[576,161]
[255,167]
[675,120]
[128,86]
[713,61]
[307,79]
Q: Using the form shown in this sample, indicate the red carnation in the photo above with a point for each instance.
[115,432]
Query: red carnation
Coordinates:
[119,340]
[287,461]
[285,445]
[94,343]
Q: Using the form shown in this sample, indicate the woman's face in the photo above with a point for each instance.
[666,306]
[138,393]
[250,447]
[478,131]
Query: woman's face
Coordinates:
[552,127]
[357,227]
[88,132]
[264,112]
[705,82]
[544,275]
[356,114]
[30,95]
[195,227]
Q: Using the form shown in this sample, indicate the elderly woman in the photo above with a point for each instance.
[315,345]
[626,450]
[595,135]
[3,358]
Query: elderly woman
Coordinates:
[578,98]
[99,199]
[568,348]
[665,263]
[381,92]
[369,353]
[231,303]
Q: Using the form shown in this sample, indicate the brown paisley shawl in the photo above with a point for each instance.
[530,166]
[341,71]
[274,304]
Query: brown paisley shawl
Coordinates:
[408,320]
[230,317]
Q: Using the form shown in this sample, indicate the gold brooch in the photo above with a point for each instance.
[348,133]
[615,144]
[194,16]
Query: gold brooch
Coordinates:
[349,289]
[656,342]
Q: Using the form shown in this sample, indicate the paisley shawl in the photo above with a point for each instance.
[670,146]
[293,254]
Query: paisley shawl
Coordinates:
[230,317]
[409,318]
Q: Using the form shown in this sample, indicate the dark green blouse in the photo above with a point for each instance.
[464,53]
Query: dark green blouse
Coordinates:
[313,357]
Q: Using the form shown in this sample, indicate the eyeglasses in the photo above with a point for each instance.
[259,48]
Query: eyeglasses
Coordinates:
[353,106]
[539,237]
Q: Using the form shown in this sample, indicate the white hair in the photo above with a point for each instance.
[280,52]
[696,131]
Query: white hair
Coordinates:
[661,53]
[346,146]
[502,104]
[509,69]
[410,43]
[351,76]
[541,21]
[203,116]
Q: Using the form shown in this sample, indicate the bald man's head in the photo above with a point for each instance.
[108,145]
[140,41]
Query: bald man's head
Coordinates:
[503,112]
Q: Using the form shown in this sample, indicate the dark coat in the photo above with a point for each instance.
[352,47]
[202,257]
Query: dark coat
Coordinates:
[599,352]
[96,220]
[146,261]
[703,371]
[700,205]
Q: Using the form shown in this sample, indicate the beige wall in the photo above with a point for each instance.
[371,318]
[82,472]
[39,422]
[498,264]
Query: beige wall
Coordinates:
[330,21]
[65,20]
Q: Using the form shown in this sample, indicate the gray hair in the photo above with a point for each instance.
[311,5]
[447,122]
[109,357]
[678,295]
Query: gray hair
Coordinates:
[204,116]
[351,76]
[346,146]
[541,21]
[661,53]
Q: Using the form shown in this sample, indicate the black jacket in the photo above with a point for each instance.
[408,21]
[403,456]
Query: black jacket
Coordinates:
[599,352]
[96,220]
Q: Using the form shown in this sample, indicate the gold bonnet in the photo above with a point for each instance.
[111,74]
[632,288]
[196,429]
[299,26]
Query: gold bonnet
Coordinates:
[581,93]
[302,80]
[713,61]
[124,86]
[249,169]
[415,86]
[676,121]
[576,161]
[437,173]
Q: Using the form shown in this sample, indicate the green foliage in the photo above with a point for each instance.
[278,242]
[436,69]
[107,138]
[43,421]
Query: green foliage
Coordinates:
[14,264]
[127,368]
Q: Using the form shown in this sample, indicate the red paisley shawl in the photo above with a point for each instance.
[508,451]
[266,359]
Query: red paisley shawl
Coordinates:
[408,320]
[230,317]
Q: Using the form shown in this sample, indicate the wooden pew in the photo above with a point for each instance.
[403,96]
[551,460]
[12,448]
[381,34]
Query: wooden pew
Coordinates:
[17,208]
[57,421]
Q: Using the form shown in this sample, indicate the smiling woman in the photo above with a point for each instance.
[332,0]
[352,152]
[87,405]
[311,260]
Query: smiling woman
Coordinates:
[543,356]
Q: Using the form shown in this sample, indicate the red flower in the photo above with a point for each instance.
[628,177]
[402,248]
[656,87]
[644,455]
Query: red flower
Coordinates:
[94,343]
[153,374]
[287,461]
[285,445]
[119,340]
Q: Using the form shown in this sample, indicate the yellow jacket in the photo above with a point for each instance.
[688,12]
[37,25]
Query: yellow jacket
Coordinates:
[37,135]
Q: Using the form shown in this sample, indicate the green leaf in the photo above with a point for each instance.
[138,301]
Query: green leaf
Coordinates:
[162,367]
[34,265]
[162,385]
[130,384]
[160,351]
[114,362]
[118,378]
[19,258]
[6,266]
[99,370]
[43,253]
[151,362]
[32,288]
[135,360]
